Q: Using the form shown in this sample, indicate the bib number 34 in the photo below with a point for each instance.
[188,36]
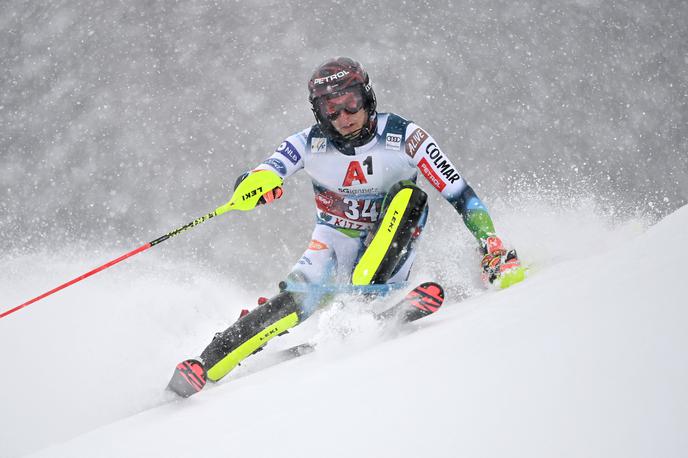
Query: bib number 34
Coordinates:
[359,209]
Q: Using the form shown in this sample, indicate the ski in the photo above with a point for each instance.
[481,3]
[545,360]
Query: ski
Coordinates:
[425,299]
[190,376]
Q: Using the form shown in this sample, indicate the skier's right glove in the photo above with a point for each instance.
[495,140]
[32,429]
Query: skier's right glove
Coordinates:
[496,260]
[266,198]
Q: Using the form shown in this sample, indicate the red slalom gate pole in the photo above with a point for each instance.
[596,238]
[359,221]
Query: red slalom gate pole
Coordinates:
[195,222]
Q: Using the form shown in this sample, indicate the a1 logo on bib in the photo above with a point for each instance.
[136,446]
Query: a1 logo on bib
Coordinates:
[393,141]
[354,173]
[318,145]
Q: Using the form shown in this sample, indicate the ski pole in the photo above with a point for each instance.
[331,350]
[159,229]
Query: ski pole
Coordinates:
[245,198]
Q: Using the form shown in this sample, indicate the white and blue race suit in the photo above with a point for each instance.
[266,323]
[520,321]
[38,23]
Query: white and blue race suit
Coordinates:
[349,190]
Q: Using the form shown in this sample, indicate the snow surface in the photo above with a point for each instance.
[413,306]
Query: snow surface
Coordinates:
[587,358]
[120,121]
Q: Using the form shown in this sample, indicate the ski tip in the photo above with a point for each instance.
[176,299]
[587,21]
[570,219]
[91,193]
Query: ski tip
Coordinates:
[432,288]
[511,277]
[427,297]
[189,378]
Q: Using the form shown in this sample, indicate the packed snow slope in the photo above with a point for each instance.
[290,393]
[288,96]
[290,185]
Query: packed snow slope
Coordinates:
[587,358]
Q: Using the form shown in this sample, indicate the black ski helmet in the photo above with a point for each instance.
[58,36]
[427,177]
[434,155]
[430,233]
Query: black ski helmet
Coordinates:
[332,78]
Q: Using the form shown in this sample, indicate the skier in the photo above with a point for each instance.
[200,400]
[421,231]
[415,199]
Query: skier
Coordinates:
[370,212]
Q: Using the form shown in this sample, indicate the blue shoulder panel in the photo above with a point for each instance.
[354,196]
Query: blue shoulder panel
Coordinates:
[396,125]
[315,132]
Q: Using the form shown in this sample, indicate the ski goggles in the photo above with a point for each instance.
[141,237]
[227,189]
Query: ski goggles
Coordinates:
[350,101]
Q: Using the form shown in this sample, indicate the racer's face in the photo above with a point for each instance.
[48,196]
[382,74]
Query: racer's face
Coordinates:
[345,112]
[347,124]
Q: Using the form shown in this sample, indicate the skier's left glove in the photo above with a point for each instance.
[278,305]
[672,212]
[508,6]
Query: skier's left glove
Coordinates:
[497,263]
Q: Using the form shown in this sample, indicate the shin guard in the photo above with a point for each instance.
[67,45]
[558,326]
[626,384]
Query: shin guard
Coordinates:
[402,212]
[249,334]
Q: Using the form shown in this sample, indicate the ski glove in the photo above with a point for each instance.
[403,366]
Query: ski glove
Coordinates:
[496,259]
[266,198]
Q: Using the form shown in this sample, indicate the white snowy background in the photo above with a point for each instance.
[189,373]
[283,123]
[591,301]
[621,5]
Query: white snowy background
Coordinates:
[120,121]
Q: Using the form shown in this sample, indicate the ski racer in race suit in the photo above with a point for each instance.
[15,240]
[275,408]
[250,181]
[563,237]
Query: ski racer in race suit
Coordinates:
[364,166]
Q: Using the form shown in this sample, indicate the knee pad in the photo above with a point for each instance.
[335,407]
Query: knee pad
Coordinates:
[402,211]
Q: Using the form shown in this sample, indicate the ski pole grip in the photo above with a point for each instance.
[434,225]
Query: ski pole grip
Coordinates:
[250,190]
